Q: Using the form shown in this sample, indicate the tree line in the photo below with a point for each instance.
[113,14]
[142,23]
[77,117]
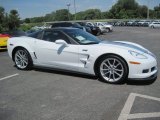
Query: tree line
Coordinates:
[9,21]
[123,9]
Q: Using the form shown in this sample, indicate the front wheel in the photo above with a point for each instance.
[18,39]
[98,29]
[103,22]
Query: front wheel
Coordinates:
[112,69]
[107,30]
[22,59]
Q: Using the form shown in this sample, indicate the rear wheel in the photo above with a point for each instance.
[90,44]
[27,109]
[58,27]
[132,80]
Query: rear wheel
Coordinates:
[112,69]
[107,30]
[22,59]
[98,33]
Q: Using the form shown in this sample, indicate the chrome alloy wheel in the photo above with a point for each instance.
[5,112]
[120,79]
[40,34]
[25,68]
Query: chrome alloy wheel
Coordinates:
[111,69]
[21,59]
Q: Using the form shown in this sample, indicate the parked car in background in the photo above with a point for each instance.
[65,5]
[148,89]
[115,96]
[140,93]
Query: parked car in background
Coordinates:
[8,34]
[135,23]
[83,24]
[155,25]
[146,23]
[93,29]
[141,22]
[3,41]
[16,33]
[31,31]
[129,23]
[120,23]
[104,27]
[156,21]
[67,24]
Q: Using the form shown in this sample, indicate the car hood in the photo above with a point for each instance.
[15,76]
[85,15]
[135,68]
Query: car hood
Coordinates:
[125,45]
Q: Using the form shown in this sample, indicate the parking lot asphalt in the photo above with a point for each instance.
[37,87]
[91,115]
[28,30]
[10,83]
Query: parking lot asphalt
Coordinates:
[41,94]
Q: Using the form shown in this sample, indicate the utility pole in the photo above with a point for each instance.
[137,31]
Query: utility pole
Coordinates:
[75,9]
[148,10]
[68,5]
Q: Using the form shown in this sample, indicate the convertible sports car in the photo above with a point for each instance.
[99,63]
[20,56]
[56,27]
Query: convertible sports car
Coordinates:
[74,50]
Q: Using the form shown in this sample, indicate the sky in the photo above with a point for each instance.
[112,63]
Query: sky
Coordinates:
[35,8]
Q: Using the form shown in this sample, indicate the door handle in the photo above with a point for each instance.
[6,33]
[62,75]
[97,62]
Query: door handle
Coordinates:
[85,50]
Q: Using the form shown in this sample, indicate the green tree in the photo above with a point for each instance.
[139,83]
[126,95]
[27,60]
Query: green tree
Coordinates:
[124,9]
[14,20]
[80,15]
[157,11]
[62,15]
[2,16]
[92,14]
[49,17]
[27,20]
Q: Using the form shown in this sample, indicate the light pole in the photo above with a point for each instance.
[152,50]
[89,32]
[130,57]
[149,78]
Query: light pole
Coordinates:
[148,11]
[68,5]
[75,9]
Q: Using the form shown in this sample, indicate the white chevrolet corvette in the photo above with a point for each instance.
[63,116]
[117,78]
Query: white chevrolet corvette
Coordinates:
[74,50]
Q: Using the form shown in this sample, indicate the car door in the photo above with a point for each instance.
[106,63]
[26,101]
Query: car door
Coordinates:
[56,55]
[158,24]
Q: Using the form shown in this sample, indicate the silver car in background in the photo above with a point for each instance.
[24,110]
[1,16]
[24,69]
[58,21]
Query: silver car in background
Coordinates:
[104,27]
[155,25]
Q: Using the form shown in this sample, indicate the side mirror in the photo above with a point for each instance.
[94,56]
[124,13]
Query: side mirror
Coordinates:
[62,42]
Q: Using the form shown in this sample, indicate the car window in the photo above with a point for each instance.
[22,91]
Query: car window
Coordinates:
[52,36]
[55,25]
[37,34]
[66,24]
[89,24]
[82,37]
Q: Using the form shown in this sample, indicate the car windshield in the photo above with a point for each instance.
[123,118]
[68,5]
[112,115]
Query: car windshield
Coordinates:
[82,37]
[77,25]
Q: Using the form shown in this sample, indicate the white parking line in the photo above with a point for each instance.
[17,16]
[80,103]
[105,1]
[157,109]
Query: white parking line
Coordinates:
[10,76]
[125,113]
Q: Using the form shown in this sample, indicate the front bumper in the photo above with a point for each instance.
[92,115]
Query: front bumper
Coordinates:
[152,77]
[3,47]
[146,70]
[3,43]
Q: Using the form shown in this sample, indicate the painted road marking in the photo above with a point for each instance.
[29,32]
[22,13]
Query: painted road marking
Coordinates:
[125,113]
[10,76]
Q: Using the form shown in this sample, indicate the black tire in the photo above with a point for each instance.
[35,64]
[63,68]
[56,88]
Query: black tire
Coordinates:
[152,26]
[113,73]
[98,33]
[27,65]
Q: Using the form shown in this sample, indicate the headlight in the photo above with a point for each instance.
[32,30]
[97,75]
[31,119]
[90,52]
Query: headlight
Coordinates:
[137,55]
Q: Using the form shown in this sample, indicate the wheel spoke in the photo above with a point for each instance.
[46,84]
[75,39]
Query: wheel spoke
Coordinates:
[109,77]
[118,70]
[24,62]
[109,63]
[18,53]
[113,76]
[117,73]
[106,72]
[117,65]
[104,69]
[114,62]
[106,65]
[19,56]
